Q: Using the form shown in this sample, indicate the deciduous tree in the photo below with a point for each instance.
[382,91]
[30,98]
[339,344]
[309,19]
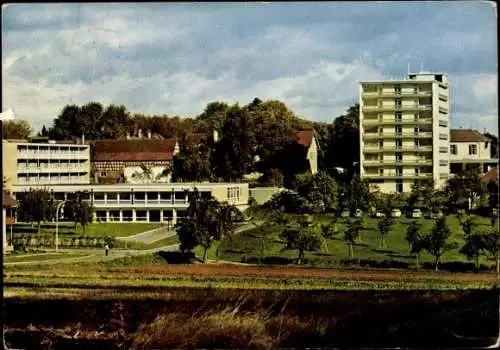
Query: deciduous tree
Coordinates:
[436,243]
[16,129]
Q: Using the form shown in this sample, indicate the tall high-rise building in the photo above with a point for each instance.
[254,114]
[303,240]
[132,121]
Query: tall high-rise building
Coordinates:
[404,131]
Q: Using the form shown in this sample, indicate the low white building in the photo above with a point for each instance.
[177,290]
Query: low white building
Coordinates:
[145,202]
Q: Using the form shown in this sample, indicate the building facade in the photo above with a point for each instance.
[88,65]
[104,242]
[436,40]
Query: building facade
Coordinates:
[307,138]
[45,162]
[144,202]
[115,161]
[469,149]
[404,131]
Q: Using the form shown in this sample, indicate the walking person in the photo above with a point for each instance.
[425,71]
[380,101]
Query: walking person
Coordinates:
[106,247]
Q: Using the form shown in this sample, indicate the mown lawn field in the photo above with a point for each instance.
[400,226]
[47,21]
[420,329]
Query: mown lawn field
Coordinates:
[263,244]
[39,257]
[92,230]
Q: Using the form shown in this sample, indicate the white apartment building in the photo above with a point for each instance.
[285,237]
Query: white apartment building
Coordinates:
[471,149]
[44,162]
[144,202]
[404,131]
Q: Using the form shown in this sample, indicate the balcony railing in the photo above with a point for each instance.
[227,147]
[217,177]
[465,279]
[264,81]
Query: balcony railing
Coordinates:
[414,107]
[421,121]
[394,93]
[369,136]
[396,162]
[52,155]
[377,149]
[395,176]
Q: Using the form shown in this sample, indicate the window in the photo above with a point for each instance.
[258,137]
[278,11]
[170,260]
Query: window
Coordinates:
[453,149]
[399,144]
[399,171]
[380,157]
[381,144]
[443,176]
[443,149]
[379,116]
[443,136]
[399,157]
[415,89]
[399,186]
[415,131]
[472,149]
[398,116]
[443,163]
[397,89]
[399,130]
[103,174]
[417,171]
[416,116]
[417,143]
[380,130]
[443,123]
[381,171]
[398,103]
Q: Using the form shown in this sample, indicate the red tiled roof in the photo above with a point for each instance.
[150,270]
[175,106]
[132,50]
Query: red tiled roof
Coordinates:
[133,150]
[305,137]
[491,175]
[7,200]
[466,135]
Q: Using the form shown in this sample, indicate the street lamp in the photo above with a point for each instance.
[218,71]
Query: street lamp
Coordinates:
[57,223]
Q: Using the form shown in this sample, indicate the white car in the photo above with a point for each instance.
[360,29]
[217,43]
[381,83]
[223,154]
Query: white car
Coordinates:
[417,213]
[345,214]
[358,213]
[379,214]
[396,213]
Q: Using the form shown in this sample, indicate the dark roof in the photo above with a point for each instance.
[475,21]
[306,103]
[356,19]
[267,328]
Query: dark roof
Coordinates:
[466,135]
[8,201]
[305,137]
[491,175]
[133,150]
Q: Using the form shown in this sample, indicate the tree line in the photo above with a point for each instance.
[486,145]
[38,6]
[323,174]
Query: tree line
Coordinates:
[256,137]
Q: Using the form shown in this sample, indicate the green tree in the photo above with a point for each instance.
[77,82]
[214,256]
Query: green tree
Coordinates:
[464,188]
[16,129]
[491,246]
[36,206]
[351,234]
[205,223]
[467,225]
[414,237]
[192,164]
[436,242]
[354,194]
[302,237]
[472,248]
[384,227]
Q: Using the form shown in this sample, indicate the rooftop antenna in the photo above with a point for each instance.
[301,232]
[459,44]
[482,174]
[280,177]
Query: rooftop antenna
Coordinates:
[408,67]
[421,67]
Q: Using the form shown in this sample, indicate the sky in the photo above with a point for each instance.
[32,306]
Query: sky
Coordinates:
[174,58]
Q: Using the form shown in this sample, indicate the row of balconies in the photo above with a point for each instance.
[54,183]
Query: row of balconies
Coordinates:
[412,107]
[421,121]
[392,149]
[391,176]
[387,135]
[52,155]
[381,162]
[51,168]
[396,93]
[52,180]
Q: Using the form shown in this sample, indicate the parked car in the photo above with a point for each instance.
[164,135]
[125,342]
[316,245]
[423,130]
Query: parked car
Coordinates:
[345,214]
[417,213]
[379,214]
[435,215]
[358,213]
[396,213]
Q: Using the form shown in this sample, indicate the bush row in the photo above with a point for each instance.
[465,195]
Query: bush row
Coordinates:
[29,241]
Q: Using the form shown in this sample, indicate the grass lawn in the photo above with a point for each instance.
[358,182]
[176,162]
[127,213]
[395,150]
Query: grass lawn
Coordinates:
[92,230]
[264,242]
